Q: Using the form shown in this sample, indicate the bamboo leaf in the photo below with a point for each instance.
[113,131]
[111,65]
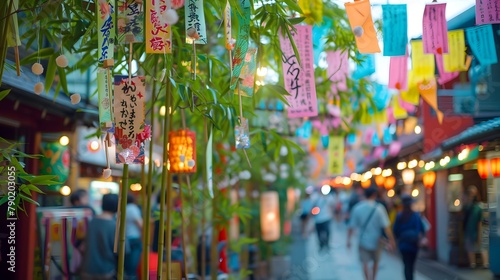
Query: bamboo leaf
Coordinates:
[62,79]
[51,73]
[29,199]
[32,58]
[4,93]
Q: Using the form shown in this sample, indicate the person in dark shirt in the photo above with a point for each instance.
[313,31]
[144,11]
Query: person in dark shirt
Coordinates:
[473,228]
[100,262]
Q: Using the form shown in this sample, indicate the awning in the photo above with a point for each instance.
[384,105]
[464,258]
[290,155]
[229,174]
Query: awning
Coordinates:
[481,132]
[455,161]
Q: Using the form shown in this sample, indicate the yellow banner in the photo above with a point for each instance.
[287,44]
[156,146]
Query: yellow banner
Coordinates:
[454,60]
[398,111]
[411,95]
[336,156]
[158,33]
[428,91]
[422,64]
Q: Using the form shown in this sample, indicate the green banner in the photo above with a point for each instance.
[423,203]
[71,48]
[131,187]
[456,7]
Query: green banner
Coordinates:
[106,23]
[104,94]
[55,161]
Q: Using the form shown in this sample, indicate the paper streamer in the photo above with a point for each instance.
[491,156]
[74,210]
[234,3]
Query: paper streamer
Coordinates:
[158,33]
[398,72]
[395,29]
[423,64]
[398,111]
[487,11]
[242,135]
[338,69]
[482,44]
[130,22]
[299,79]
[428,91]
[106,23]
[435,29]
[336,156]
[247,74]
[195,20]
[455,59]
[228,37]
[209,164]
[411,95]
[242,41]
[104,95]
[319,42]
[366,67]
[360,19]
[444,77]
[129,117]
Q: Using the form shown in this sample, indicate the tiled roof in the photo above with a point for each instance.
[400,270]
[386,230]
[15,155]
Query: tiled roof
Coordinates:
[484,131]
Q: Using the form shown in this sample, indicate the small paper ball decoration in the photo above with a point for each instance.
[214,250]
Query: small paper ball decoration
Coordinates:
[193,34]
[358,31]
[37,69]
[62,61]
[75,98]
[170,16]
[106,173]
[38,88]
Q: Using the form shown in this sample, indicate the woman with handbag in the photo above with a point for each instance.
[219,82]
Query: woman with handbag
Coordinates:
[410,234]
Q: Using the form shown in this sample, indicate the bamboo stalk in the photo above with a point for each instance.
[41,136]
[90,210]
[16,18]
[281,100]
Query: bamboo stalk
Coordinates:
[183,230]
[123,216]
[214,257]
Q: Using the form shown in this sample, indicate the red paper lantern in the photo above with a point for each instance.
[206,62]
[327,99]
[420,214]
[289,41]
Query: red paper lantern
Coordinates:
[483,168]
[366,184]
[495,167]
[380,180]
[390,182]
[429,179]
[182,151]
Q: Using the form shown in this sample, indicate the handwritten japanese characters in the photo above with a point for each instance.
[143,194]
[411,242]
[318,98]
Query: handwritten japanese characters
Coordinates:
[299,78]
[130,128]
[106,23]
[395,29]
[455,59]
[435,29]
[482,44]
[422,64]
[158,32]
[336,155]
[104,92]
[130,22]
[487,11]
[195,22]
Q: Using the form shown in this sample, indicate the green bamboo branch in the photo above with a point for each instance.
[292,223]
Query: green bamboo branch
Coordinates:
[123,216]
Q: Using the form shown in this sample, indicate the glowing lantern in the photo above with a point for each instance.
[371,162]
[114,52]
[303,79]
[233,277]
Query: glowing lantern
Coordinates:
[495,167]
[390,182]
[366,184]
[270,216]
[380,180]
[429,179]
[483,168]
[182,151]
[290,200]
[408,176]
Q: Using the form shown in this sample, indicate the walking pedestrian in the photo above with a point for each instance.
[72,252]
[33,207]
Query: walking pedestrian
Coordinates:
[133,233]
[306,207]
[372,222]
[473,228]
[409,232]
[322,212]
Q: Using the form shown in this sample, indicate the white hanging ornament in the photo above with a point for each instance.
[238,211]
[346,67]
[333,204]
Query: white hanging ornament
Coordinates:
[193,34]
[191,163]
[62,61]
[358,31]
[170,17]
[75,98]
[37,69]
[106,173]
[38,88]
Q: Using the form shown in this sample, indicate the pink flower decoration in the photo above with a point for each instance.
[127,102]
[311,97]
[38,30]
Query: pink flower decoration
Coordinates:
[144,135]
[125,142]
[176,4]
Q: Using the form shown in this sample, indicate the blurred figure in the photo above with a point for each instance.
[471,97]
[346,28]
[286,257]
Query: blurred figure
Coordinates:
[409,231]
[133,233]
[337,205]
[371,220]
[100,262]
[322,212]
[356,196]
[306,207]
[79,198]
[473,228]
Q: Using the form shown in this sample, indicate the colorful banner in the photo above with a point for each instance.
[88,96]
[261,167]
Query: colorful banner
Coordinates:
[338,69]
[360,19]
[106,23]
[487,12]
[158,33]
[129,116]
[319,40]
[55,161]
[195,21]
[428,91]
[247,75]
[228,37]
[422,64]
[435,29]
[482,44]
[398,111]
[299,78]
[13,30]
[336,156]
[366,67]
[411,95]
[398,72]
[455,59]
[104,92]
[444,76]
[241,48]
[395,29]
[130,22]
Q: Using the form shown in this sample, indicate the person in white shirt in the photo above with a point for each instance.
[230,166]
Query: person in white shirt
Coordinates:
[371,220]
[322,211]
[306,207]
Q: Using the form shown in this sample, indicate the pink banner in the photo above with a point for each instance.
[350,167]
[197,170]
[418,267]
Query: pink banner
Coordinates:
[398,72]
[299,78]
[487,11]
[444,76]
[435,29]
[338,69]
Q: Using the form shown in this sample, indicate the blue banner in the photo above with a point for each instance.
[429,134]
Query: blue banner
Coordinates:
[366,67]
[482,43]
[395,29]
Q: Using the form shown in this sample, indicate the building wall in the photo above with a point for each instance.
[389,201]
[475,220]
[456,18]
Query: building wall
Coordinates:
[442,216]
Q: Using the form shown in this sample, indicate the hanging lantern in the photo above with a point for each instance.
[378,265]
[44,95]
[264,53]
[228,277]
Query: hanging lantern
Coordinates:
[182,151]
[390,182]
[290,200]
[380,180]
[483,168]
[270,216]
[408,176]
[429,179]
[495,167]
[366,183]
